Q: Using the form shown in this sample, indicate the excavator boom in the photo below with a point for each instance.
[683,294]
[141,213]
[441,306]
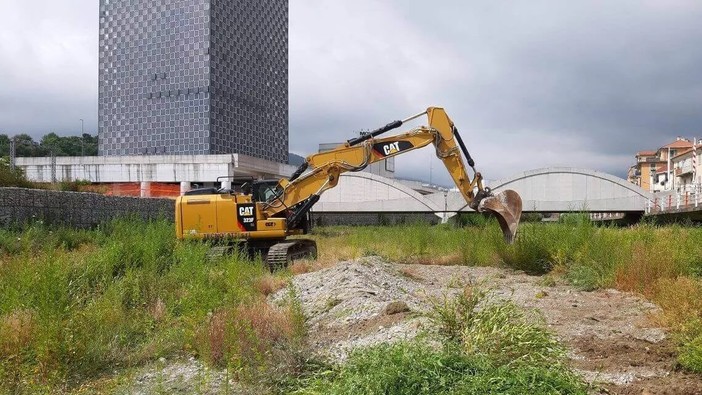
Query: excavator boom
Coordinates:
[299,193]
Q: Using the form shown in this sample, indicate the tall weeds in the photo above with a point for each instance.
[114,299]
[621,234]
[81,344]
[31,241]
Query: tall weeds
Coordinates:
[75,304]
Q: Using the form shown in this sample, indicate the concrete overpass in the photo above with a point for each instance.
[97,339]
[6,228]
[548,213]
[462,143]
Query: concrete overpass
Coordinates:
[145,169]
[558,189]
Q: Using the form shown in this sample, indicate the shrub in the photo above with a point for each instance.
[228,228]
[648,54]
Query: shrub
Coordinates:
[506,334]
[12,178]
[453,315]
[72,186]
[416,367]
[530,252]
[690,353]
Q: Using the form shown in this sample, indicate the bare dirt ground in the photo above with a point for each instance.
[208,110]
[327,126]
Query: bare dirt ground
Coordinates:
[612,340]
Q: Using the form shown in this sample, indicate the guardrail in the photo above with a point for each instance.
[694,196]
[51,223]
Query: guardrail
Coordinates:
[674,201]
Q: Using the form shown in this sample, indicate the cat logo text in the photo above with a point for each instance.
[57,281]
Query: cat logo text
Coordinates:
[391,148]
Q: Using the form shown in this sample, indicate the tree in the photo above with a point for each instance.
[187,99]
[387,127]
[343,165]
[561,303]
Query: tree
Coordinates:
[4,145]
[91,144]
[51,143]
[26,146]
[70,145]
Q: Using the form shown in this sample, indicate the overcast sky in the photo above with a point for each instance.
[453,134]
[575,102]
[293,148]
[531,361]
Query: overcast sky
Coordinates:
[529,83]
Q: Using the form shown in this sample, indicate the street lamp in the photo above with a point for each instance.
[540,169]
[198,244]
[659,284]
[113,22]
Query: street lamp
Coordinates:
[82,147]
[445,207]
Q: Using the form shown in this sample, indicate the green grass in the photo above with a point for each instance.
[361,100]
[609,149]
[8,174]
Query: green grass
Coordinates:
[416,367]
[591,256]
[76,304]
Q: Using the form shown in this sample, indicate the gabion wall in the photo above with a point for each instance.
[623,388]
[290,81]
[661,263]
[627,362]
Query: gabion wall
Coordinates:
[193,77]
[82,210]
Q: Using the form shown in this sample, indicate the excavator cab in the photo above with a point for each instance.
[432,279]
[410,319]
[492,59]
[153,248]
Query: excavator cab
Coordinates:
[264,190]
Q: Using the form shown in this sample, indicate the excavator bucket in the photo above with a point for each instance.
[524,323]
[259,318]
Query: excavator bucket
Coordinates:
[507,208]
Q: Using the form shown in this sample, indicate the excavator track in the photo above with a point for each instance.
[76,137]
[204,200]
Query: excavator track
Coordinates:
[280,255]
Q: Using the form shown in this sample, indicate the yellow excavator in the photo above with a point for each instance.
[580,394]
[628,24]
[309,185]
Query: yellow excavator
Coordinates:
[261,214]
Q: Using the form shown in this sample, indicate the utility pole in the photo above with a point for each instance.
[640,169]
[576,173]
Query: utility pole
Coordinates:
[445,207]
[668,181]
[53,166]
[431,169]
[694,166]
[13,153]
[82,145]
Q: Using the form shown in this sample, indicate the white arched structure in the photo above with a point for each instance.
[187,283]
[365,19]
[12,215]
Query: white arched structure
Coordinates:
[366,192]
[559,189]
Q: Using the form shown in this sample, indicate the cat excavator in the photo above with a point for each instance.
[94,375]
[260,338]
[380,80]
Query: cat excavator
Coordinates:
[262,214]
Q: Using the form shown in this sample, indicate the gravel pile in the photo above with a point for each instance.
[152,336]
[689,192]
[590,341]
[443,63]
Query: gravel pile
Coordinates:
[359,303]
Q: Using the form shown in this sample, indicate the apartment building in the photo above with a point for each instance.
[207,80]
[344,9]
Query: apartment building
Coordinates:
[687,170]
[651,171]
[647,162]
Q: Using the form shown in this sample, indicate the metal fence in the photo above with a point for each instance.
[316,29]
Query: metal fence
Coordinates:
[671,201]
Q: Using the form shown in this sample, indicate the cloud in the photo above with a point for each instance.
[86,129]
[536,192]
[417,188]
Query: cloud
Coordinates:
[48,66]
[529,84]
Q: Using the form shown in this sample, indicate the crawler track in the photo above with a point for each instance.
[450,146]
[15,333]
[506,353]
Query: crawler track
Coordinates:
[281,254]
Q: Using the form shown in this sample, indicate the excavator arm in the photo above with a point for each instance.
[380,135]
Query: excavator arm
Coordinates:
[299,193]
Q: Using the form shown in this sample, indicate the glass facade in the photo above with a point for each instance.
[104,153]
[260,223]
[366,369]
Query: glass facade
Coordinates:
[194,77]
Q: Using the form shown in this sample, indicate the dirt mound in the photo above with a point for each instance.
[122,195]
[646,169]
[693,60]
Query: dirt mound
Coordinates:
[359,303]
[612,342]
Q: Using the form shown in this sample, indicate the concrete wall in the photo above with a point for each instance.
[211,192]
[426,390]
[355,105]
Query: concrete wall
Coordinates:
[83,210]
[157,168]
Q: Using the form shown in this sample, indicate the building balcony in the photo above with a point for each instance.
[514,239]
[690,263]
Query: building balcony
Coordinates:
[649,160]
[684,169]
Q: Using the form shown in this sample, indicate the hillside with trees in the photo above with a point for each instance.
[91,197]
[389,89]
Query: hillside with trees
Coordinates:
[25,146]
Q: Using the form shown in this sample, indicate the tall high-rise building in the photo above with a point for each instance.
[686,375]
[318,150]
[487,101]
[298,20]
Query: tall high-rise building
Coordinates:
[194,77]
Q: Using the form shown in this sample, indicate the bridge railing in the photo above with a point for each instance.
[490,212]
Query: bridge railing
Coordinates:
[673,201]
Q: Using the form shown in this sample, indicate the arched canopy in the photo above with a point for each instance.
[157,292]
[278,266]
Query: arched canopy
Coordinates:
[367,192]
[559,189]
